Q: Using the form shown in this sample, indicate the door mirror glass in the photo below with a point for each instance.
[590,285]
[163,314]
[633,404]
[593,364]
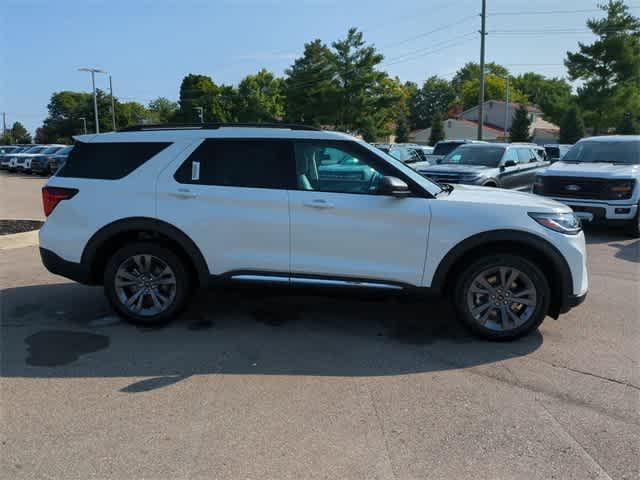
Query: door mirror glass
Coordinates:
[510,163]
[393,186]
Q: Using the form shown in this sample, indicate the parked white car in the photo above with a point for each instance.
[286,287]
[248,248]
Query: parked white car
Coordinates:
[599,178]
[153,212]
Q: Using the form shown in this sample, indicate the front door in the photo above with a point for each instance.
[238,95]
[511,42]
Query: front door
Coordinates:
[342,228]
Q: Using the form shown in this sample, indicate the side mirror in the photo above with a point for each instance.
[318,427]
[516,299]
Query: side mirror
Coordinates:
[510,163]
[393,186]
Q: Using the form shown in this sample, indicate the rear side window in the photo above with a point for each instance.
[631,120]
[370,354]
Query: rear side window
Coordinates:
[240,163]
[108,161]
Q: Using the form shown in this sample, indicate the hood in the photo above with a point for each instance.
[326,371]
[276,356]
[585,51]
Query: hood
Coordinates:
[596,170]
[510,198]
[454,167]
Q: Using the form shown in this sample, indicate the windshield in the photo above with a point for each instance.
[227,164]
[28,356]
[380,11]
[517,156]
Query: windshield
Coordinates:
[51,150]
[64,150]
[627,152]
[484,156]
[445,148]
[34,150]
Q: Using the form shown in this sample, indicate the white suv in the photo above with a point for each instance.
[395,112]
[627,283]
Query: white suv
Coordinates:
[599,178]
[153,212]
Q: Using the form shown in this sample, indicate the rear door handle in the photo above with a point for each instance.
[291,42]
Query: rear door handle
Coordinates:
[184,193]
[322,204]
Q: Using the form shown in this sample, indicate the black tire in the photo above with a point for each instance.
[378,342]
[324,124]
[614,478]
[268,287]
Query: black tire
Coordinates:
[464,283]
[633,229]
[182,283]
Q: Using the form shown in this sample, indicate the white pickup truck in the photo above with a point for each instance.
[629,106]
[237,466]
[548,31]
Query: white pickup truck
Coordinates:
[599,178]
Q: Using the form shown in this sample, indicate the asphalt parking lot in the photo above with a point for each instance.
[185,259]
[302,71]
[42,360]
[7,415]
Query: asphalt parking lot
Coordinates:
[252,384]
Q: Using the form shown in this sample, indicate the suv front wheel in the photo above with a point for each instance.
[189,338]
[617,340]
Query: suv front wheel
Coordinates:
[146,283]
[502,297]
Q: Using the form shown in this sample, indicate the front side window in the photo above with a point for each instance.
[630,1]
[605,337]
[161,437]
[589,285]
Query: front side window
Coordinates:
[242,163]
[511,155]
[355,171]
[524,155]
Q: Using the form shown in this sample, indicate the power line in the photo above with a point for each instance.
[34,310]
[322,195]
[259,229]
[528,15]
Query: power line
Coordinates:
[550,12]
[430,32]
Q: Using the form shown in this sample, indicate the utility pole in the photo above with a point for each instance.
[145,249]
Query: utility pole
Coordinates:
[506,110]
[483,34]
[113,105]
[4,123]
[93,72]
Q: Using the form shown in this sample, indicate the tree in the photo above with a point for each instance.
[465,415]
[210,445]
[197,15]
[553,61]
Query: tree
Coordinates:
[162,110]
[20,134]
[571,126]
[494,89]
[260,98]
[402,129]
[433,97]
[552,95]
[368,130]
[131,113]
[519,131]
[437,129]
[5,138]
[310,88]
[362,91]
[628,125]
[200,91]
[610,63]
[471,71]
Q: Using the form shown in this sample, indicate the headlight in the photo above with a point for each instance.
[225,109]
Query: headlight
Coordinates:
[566,223]
[622,189]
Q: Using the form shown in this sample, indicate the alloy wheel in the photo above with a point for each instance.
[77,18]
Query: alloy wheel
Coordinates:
[145,285]
[501,298]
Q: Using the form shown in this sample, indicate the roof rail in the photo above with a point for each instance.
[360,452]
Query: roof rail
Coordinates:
[213,126]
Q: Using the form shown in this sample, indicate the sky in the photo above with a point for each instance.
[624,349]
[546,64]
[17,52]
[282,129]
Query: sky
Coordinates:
[149,46]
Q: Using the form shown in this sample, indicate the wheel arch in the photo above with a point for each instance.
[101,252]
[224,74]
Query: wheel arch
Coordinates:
[536,249]
[111,237]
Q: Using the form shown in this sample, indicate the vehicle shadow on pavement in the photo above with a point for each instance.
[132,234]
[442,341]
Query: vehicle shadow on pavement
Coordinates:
[68,331]
[597,234]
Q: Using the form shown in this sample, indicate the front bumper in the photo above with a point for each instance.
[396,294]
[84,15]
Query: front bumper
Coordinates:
[572,301]
[601,211]
[59,266]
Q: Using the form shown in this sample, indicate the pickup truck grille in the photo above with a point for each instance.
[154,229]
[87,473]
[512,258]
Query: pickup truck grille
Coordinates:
[575,187]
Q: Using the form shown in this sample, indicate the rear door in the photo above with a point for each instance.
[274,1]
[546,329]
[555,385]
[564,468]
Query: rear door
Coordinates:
[530,163]
[230,197]
[341,228]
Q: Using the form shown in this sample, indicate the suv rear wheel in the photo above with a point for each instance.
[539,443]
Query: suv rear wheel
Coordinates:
[146,283]
[502,297]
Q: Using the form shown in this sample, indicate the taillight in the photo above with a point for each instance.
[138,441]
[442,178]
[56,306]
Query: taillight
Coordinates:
[51,196]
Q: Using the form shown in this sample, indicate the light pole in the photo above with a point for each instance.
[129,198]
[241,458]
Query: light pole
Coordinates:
[200,111]
[113,105]
[84,124]
[93,72]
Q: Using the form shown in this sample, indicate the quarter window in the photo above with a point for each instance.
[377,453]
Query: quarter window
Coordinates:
[240,163]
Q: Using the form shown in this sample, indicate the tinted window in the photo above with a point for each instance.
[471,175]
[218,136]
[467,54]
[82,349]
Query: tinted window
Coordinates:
[604,151]
[108,161]
[240,163]
[553,152]
[316,170]
[488,156]
[51,150]
[445,148]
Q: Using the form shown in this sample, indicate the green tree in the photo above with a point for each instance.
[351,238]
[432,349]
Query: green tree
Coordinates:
[362,91]
[433,97]
[162,110]
[552,95]
[131,113]
[628,125]
[519,131]
[402,129]
[260,98]
[310,88]
[494,89]
[437,129]
[471,71]
[571,126]
[5,138]
[20,134]
[217,101]
[610,63]
[368,130]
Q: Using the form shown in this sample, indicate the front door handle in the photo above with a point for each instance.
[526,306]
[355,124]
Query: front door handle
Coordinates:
[184,193]
[322,204]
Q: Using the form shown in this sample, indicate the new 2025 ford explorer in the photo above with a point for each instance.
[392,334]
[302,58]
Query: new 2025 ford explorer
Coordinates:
[154,212]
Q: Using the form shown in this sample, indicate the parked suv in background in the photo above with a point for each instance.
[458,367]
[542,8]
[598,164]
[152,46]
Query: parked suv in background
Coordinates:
[152,213]
[49,161]
[26,163]
[17,160]
[599,178]
[555,152]
[490,165]
[404,153]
